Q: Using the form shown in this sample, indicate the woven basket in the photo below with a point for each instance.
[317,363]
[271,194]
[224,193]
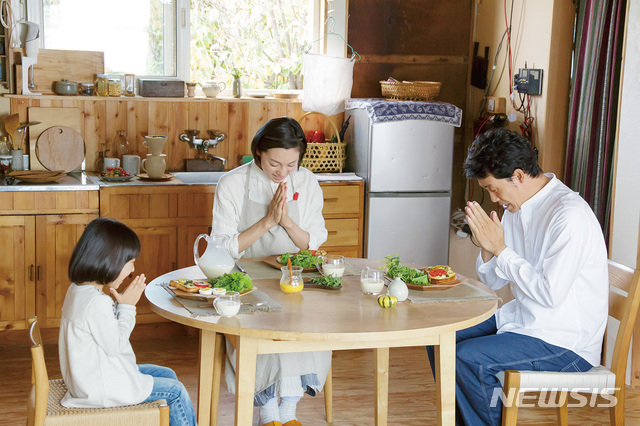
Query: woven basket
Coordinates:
[411,90]
[325,157]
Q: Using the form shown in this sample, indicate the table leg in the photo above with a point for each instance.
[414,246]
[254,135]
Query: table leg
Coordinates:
[381,383]
[218,359]
[207,354]
[445,366]
[246,353]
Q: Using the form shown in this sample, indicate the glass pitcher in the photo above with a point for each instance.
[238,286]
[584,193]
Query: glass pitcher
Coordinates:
[216,259]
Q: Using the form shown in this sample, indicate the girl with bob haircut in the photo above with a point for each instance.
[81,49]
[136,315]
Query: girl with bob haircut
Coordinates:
[96,358]
[273,206]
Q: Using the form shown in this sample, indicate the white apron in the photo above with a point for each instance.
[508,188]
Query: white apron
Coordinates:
[271,368]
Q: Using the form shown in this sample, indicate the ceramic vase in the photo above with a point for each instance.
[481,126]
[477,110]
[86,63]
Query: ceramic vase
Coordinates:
[237,87]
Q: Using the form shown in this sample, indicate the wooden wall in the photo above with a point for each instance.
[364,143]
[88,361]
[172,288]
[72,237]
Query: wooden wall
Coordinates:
[416,40]
[239,119]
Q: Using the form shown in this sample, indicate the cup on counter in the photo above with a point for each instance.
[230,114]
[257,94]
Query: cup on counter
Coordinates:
[372,281]
[332,264]
[110,163]
[154,165]
[155,143]
[131,164]
[227,305]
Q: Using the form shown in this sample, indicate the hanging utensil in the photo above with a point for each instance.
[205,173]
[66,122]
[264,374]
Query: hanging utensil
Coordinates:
[11,124]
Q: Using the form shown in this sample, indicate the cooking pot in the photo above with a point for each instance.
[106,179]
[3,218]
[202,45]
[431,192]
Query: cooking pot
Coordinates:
[66,87]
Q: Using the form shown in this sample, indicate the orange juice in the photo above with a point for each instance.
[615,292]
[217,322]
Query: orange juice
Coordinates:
[287,287]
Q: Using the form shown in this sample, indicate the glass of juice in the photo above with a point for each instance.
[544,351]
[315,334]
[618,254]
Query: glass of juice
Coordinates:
[332,264]
[371,281]
[291,282]
[227,305]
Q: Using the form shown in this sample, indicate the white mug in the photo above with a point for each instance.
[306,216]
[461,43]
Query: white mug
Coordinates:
[110,163]
[131,164]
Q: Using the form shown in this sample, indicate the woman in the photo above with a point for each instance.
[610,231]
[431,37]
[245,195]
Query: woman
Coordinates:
[272,206]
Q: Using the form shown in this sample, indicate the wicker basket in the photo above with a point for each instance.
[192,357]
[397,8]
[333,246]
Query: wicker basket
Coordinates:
[325,157]
[411,90]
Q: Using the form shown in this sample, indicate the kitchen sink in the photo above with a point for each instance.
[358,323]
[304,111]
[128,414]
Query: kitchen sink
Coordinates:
[198,177]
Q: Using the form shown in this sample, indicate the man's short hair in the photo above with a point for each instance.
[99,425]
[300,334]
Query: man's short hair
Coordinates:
[500,152]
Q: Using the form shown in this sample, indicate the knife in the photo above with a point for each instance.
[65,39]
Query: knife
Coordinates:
[240,268]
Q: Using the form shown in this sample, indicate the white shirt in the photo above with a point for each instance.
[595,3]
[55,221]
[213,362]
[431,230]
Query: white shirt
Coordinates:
[96,359]
[229,200]
[556,262]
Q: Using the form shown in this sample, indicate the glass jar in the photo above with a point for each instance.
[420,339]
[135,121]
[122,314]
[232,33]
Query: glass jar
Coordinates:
[122,144]
[4,146]
[102,85]
[291,281]
[87,89]
[115,88]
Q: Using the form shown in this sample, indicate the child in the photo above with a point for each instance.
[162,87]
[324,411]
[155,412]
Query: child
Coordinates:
[96,358]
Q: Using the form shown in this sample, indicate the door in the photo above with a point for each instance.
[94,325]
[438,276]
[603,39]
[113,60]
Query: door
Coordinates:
[56,237]
[415,226]
[17,271]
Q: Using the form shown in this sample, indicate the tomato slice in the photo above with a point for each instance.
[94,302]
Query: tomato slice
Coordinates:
[438,272]
[201,284]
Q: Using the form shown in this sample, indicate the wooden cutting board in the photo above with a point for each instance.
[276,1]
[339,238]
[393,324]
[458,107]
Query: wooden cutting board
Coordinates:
[60,148]
[49,117]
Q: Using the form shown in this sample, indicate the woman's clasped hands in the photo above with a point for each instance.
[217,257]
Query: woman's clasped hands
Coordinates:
[277,211]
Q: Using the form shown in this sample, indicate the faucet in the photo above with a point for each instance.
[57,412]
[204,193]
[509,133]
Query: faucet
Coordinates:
[190,136]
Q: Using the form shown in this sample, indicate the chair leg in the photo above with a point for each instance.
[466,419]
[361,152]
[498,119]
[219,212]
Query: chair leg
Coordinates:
[218,361]
[511,391]
[328,395]
[164,415]
[563,408]
[616,413]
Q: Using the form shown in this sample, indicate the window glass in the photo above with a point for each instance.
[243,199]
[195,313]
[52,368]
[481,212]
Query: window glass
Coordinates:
[136,36]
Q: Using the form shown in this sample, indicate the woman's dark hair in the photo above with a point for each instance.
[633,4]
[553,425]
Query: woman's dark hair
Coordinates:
[105,246]
[281,132]
[500,152]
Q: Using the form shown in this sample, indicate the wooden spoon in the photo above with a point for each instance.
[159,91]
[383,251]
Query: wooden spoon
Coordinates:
[11,123]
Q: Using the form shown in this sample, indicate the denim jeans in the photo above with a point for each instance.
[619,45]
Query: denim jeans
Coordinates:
[481,354]
[167,386]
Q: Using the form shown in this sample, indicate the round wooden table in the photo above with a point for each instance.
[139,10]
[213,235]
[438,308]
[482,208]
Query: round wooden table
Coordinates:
[316,320]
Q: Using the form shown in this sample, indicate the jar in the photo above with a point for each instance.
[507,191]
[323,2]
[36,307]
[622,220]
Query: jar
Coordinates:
[115,87]
[102,85]
[291,281]
[122,144]
[87,89]
[4,146]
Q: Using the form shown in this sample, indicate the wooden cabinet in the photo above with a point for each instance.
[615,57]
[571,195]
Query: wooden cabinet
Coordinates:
[344,217]
[39,230]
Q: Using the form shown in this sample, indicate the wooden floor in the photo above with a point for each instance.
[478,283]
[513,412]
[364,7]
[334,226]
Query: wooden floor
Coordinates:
[411,387]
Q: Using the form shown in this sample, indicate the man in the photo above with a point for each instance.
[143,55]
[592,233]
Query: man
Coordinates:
[550,249]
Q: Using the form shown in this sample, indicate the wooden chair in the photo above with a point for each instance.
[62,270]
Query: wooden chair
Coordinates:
[45,396]
[219,361]
[600,379]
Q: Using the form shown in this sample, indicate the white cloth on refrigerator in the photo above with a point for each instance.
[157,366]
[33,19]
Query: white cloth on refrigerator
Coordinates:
[327,83]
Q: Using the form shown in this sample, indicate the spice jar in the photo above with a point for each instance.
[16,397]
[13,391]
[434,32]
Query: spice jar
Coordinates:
[115,88]
[102,85]
[87,89]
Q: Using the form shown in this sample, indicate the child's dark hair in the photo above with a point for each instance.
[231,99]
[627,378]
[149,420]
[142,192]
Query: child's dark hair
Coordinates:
[105,246]
[281,132]
[500,152]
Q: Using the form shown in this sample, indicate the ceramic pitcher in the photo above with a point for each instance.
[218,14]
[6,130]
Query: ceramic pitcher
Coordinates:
[216,259]
[154,165]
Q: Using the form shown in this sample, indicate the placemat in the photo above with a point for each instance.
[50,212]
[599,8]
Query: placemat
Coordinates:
[202,308]
[460,293]
[258,270]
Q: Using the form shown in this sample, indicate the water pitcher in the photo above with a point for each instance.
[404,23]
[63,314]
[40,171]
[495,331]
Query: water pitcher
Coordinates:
[216,259]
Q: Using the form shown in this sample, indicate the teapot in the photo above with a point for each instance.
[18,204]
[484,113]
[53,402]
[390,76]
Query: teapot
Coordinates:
[216,259]
[212,88]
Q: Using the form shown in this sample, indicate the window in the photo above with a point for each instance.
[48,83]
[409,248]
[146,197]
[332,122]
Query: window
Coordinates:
[191,40]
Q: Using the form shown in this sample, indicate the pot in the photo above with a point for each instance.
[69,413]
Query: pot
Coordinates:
[212,88]
[66,87]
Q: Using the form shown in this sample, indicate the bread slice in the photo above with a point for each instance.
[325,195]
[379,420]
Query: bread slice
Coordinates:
[184,285]
[440,274]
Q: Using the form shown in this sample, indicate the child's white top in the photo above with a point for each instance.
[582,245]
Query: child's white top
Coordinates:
[96,359]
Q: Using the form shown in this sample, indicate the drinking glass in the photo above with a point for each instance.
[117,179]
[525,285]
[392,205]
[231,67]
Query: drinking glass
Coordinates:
[332,264]
[227,305]
[371,281]
[291,281]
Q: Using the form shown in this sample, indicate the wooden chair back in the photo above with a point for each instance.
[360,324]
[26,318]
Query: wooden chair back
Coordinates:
[39,376]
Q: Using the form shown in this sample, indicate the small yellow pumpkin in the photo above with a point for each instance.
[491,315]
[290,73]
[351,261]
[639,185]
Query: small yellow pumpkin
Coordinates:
[387,301]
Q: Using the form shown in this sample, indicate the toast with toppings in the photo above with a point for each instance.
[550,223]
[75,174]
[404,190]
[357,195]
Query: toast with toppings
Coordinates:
[184,285]
[440,274]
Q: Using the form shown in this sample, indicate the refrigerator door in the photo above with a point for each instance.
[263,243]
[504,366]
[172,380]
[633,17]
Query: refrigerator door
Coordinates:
[415,226]
[410,156]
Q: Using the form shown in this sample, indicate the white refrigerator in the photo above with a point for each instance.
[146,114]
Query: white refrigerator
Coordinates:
[407,167]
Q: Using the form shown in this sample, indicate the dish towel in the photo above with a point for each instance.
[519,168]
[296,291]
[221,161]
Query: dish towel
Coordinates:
[204,308]
[461,293]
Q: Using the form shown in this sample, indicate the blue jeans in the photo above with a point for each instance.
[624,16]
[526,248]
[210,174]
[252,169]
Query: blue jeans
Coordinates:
[167,386]
[481,354]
